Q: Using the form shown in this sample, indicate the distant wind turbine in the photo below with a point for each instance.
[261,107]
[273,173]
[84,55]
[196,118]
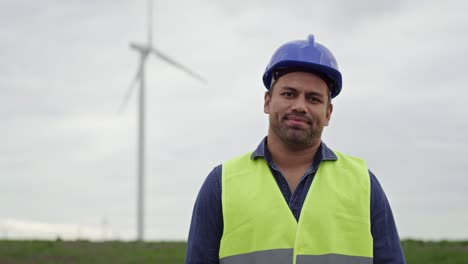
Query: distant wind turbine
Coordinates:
[145,51]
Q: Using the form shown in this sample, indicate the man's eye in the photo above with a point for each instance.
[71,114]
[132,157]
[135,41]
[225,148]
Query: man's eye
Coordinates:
[288,94]
[314,99]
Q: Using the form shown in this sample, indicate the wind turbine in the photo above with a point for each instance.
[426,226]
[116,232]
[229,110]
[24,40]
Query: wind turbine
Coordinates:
[145,50]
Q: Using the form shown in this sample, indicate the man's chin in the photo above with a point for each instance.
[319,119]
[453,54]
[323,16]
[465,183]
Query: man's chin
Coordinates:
[299,139]
[297,132]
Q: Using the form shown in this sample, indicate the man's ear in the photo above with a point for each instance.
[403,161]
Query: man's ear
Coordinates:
[266,103]
[329,113]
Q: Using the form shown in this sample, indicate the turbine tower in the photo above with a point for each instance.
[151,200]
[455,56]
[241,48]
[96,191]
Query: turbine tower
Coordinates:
[144,51]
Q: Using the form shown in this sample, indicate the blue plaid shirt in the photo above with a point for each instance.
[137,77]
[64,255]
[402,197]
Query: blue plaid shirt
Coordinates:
[206,228]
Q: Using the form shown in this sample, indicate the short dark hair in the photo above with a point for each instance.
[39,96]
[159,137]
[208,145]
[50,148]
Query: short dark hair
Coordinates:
[281,72]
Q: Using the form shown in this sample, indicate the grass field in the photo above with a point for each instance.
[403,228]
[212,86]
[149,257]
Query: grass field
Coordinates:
[441,252]
[72,252]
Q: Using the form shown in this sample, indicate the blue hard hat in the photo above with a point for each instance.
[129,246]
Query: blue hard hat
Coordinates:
[304,55]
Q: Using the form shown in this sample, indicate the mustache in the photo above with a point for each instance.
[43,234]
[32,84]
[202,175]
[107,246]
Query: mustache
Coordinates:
[301,117]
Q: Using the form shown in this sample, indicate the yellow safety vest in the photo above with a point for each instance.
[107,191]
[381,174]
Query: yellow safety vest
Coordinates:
[259,227]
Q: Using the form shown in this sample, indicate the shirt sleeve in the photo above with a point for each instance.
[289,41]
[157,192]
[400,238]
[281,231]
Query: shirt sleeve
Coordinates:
[206,227]
[387,246]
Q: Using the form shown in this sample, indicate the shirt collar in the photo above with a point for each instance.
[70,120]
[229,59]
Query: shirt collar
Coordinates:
[324,152]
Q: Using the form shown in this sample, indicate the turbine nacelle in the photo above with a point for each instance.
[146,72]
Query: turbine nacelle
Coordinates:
[144,49]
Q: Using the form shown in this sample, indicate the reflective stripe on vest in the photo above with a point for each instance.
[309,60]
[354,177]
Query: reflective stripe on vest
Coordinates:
[259,227]
[282,256]
[274,256]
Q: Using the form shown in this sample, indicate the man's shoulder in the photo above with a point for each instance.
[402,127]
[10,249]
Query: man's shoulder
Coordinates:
[238,158]
[342,155]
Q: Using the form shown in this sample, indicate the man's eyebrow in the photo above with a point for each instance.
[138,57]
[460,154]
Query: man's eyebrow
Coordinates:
[289,88]
[315,94]
[292,89]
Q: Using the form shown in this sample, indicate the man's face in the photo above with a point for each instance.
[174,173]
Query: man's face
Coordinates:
[298,108]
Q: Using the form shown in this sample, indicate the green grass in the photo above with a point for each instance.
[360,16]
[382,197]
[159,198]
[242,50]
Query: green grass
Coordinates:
[440,252]
[118,252]
[77,252]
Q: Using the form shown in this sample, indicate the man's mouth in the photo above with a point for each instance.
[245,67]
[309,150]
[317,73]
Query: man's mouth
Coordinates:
[296,120]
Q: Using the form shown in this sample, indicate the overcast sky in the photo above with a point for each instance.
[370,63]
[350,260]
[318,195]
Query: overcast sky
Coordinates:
[68,157]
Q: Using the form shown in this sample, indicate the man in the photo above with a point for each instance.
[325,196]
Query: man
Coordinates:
[294,200]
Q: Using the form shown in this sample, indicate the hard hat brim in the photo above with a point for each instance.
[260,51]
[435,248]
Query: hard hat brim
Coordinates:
[331,73]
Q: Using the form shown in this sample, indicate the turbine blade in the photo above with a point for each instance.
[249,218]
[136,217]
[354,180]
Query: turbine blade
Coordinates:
[177,65]
[132,85]
[150,23]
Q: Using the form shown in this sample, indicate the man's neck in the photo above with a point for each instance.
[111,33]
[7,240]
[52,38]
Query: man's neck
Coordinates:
[289,157]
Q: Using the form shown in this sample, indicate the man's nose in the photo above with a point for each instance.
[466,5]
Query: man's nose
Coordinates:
[299,105]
